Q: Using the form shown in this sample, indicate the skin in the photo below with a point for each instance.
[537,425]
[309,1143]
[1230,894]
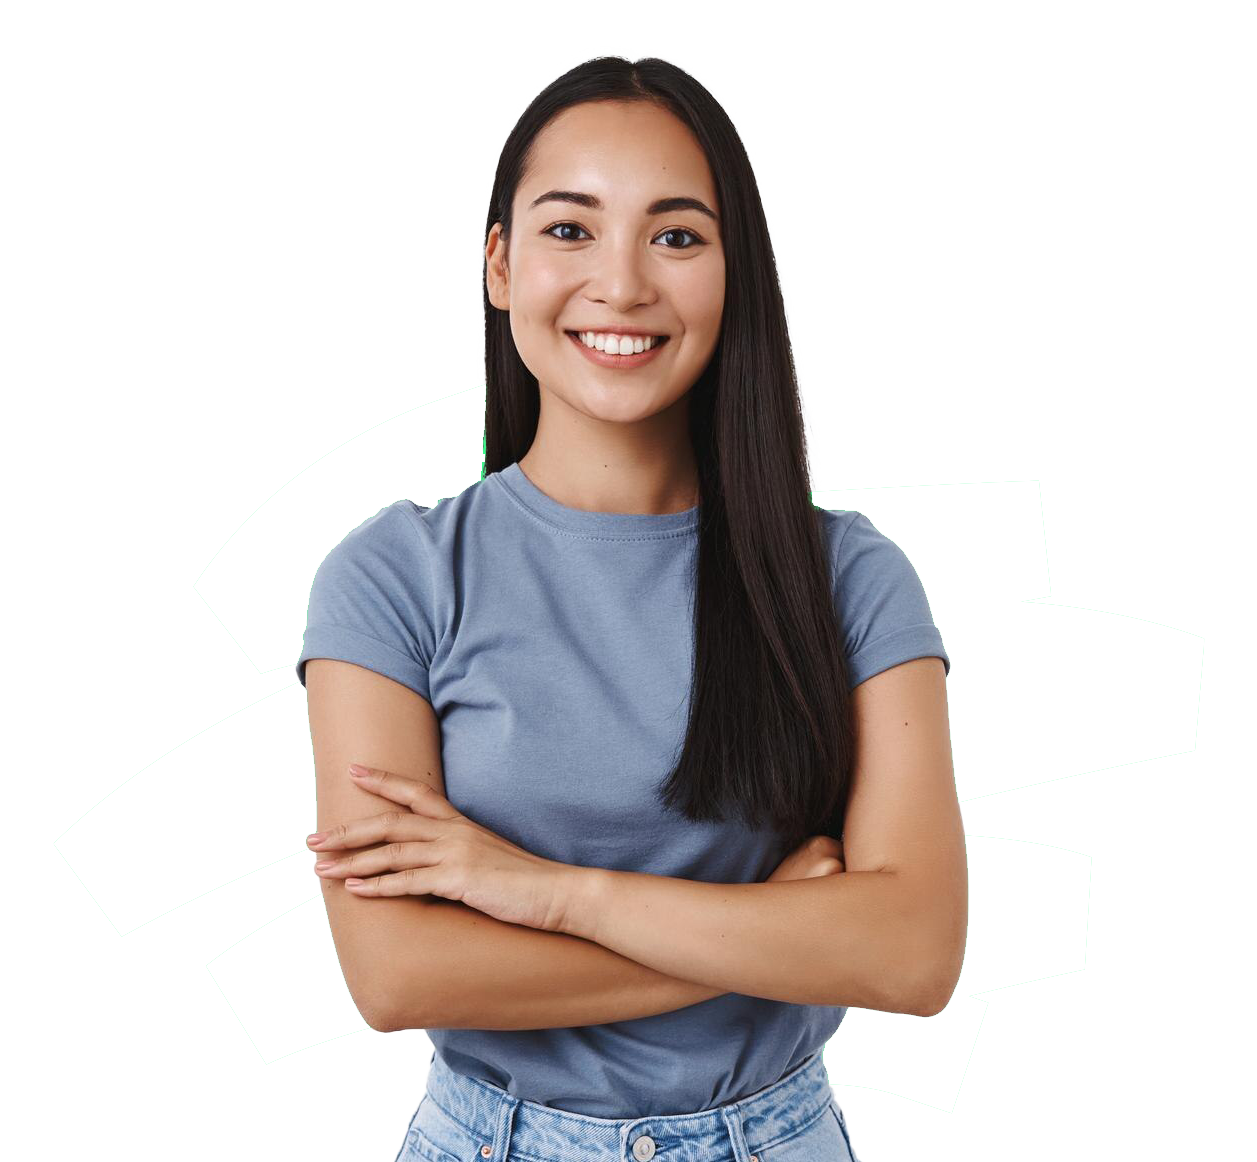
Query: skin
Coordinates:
[883,927]
[436,850]
[610,440]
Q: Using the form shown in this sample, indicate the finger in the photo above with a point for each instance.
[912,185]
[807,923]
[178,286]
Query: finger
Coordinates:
[419,796]
[373,861]
[412,882]
[387,827]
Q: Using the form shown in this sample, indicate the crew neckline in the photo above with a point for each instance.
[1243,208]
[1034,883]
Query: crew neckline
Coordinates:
[614,525]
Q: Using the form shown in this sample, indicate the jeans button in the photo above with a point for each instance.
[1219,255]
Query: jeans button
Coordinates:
[644,1148]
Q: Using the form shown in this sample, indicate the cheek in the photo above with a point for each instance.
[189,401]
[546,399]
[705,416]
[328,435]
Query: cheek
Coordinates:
[541,285]
[701,290]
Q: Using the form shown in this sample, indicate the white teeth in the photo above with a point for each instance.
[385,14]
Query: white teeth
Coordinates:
[618,344]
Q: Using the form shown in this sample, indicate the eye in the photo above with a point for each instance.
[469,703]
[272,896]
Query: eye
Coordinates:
[698,241]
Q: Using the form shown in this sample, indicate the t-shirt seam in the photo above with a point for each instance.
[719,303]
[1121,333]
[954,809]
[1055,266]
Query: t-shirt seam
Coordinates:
[371,638]
[419,531]
[528,509]
[891,633]
[916,625]
[841,540]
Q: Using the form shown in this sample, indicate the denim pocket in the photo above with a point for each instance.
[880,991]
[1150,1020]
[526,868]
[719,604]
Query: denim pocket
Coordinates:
[402,1151]
[842,1125]
[433,1136]
[823,1139]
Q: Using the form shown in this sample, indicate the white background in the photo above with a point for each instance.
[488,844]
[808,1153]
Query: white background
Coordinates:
[241,278]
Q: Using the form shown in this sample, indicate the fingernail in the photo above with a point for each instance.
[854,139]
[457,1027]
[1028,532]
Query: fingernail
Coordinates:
[355,769]
[323,864]
[317,837]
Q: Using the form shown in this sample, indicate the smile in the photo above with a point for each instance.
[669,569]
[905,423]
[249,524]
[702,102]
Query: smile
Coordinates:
[626,362]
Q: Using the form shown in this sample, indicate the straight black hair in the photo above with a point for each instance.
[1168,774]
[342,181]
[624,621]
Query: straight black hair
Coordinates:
[769,738]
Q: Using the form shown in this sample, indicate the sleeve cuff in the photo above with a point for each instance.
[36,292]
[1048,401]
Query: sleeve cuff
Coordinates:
[912,641]
[349,645]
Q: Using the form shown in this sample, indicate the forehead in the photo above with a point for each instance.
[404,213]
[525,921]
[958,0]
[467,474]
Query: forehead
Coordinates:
[624,152]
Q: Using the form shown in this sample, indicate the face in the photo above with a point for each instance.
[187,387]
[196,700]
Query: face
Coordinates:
[576,267]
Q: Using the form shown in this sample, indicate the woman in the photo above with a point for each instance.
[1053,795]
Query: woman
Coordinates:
[601,692]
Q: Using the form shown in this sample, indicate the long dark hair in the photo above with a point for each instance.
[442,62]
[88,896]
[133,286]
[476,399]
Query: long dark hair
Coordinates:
[769,737]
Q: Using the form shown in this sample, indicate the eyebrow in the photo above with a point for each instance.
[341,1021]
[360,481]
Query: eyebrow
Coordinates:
[659,206]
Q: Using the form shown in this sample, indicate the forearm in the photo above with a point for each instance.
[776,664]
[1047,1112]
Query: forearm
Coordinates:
[854,939]
[462,969]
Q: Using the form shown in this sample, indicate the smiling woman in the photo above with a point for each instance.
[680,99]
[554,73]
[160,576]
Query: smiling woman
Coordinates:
[626,258]
[653,671]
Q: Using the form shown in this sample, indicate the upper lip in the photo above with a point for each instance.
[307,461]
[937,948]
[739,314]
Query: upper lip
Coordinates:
[618,330]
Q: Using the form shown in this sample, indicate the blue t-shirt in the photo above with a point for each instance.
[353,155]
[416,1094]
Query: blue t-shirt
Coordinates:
[555,647]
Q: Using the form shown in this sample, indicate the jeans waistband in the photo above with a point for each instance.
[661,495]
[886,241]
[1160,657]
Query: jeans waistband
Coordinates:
[733,1132]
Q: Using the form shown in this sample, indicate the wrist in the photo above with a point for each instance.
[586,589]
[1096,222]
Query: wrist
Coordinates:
[581,895]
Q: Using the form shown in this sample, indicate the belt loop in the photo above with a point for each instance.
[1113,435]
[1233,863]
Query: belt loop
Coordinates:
[732,1115]
[502,1132]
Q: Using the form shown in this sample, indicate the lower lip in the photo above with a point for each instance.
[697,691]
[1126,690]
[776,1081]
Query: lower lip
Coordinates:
[624,361]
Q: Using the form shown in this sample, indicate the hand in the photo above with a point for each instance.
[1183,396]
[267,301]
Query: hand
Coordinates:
[433,849]
[818,855]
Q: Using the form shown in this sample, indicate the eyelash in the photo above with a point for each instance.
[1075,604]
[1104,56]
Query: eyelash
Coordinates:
[699,240]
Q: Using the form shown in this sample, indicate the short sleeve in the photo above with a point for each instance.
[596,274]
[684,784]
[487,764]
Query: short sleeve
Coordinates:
[883,610]
[371,599]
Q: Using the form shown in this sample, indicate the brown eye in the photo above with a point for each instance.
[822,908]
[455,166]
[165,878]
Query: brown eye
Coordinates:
[563,226]
[681,230]
[671,231]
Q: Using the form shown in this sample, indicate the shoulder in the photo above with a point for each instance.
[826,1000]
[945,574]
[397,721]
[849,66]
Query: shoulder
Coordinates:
[862,556]
[391,533]
[881,602]
[378,572]
[856,541]
[394,524]
[406,545]
[370,601]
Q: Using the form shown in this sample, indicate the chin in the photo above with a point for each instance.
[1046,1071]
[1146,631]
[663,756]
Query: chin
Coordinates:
[617,403]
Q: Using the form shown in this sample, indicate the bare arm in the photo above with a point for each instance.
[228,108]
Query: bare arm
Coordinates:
[556,979]
[889,934]
[419,962]
[466,970]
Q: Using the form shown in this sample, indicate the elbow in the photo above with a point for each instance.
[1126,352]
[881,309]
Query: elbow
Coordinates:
[931,1002]
[389,1012]
[932,992]
[910,970]
[938,957]
[379,1020]
[921,995]
[375,1005]
[391,999]
[939,949]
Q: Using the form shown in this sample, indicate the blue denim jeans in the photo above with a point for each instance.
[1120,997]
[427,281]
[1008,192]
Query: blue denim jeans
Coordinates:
[462,1119]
